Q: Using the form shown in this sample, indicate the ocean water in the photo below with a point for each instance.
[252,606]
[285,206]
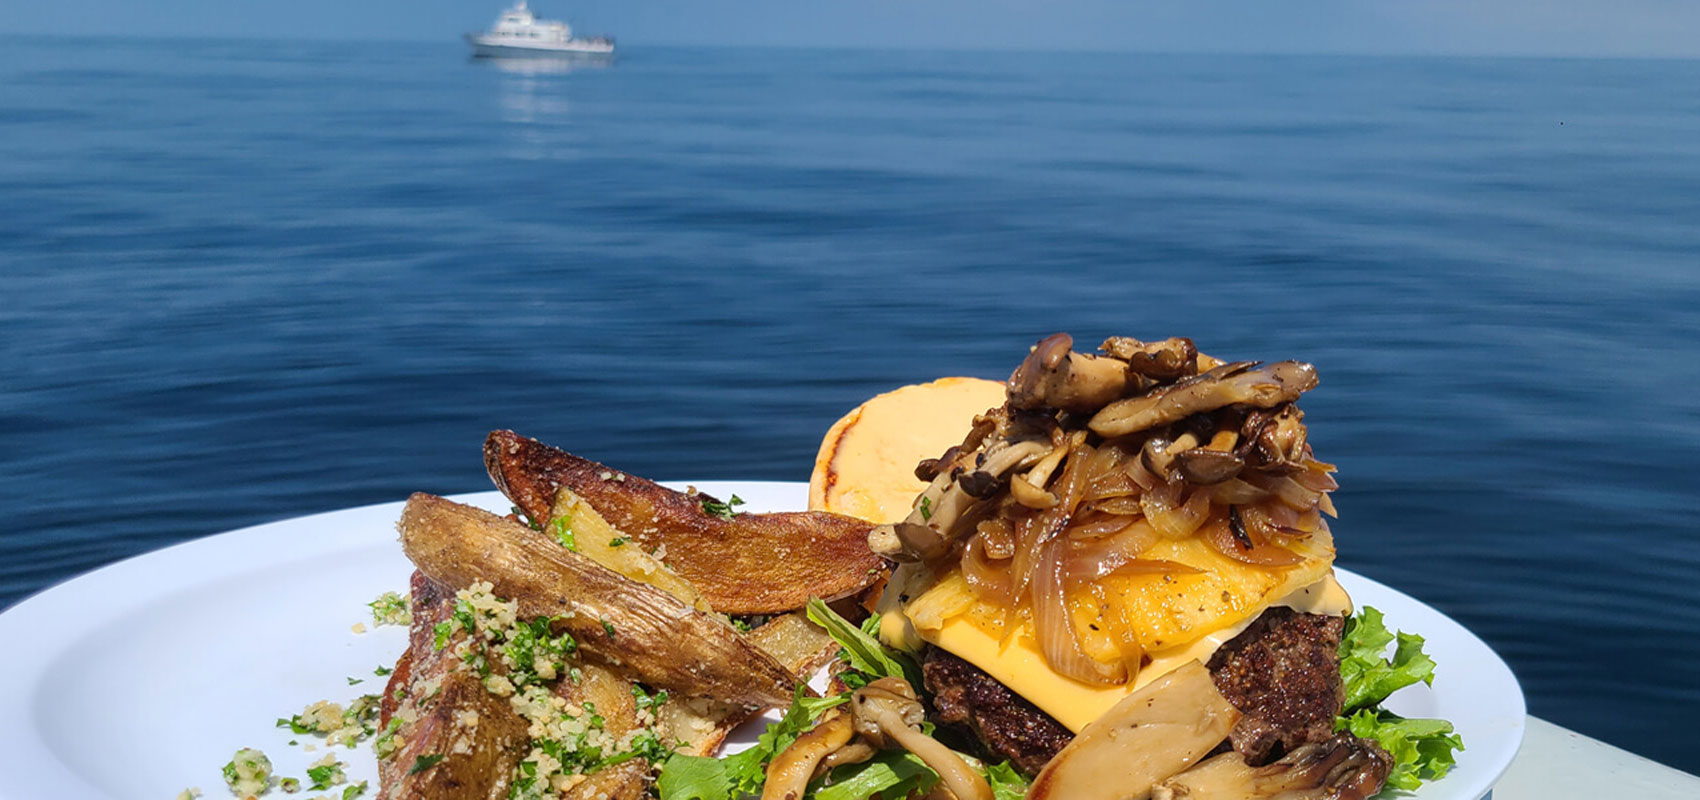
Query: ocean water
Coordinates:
[242,281]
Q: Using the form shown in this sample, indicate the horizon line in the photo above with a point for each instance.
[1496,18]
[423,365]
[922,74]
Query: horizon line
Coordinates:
[913,48]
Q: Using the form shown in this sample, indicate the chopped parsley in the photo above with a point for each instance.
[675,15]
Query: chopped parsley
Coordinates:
[524,517]
[356,681]
[325,774]
[423,763]
[382,671]
[724,510]
[645,700]
[618,541]
[926,508]
[608,627]
[562,528]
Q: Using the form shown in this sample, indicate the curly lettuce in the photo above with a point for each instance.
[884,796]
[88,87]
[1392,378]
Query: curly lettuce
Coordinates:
[1422,749]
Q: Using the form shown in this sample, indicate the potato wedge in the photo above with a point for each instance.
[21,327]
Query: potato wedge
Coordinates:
[612,548]
[796,642]
[475,737]
[1150,735]
[620,621]
[749,564]
[802,646]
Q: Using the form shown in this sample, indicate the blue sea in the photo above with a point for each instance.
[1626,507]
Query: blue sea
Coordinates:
[242,281]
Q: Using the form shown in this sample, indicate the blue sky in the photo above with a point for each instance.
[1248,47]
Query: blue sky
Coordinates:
[1510,27]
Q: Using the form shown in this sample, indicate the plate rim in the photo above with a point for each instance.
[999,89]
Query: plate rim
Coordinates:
[32,614]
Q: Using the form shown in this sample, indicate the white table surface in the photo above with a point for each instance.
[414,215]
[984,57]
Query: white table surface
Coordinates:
[1557,763]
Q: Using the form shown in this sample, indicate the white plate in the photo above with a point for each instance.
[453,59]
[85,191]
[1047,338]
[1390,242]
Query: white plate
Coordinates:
[142,678]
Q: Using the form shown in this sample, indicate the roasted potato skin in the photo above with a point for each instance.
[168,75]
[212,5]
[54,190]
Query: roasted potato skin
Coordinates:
[736,563]
[645,631]
[480,767]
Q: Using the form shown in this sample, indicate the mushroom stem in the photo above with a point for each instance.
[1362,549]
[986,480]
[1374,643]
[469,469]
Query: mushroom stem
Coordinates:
[789,773]
[955,773]
[884,712]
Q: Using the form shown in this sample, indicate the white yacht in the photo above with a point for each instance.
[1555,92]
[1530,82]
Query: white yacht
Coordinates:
[518,32]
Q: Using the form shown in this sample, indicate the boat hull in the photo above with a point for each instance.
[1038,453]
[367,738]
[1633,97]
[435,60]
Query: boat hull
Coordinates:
[483,47]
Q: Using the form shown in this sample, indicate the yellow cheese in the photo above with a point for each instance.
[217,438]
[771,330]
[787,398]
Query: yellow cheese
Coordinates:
[1021,667]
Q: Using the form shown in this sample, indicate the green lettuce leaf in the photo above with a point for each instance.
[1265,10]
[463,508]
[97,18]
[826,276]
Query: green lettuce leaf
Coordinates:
[862,651]
[895,773]
[1367,675]
[1006,782]
[686,777]
[1422,749]
[694,778]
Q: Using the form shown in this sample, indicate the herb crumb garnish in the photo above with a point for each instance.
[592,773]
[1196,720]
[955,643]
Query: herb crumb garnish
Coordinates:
[391,609]
[248,772]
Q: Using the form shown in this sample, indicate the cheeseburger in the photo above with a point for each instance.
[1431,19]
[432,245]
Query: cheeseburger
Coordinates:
[1146,520]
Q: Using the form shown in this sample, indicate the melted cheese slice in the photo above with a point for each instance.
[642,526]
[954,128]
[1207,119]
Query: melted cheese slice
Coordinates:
[1021,667]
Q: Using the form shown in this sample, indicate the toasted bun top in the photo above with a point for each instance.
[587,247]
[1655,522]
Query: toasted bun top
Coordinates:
[866,464]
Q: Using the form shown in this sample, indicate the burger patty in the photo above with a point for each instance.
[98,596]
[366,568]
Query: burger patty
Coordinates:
[1008,725]
[1282,672]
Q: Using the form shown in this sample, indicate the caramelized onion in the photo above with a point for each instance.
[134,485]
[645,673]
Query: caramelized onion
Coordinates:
[1233,492]
[1315,477]
[996,537]
[1125,506]
[1220,536]
[1112,484]
[1094,525]
[1059,642]
[1172,517]
[988,576]
[1048,524]
[1119,555]
[1135,469]
[1289,490]
[1269,521]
